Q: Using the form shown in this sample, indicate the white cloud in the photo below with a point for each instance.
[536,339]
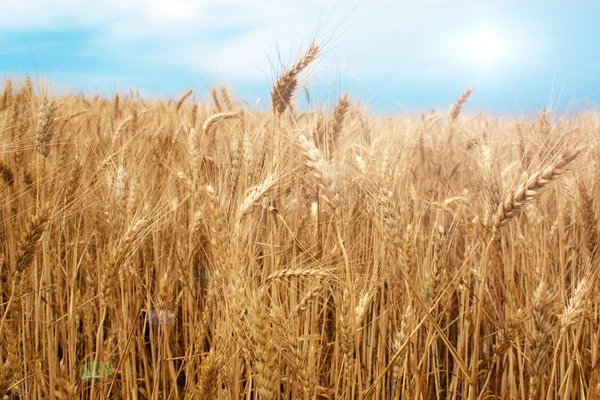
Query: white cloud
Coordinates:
[238,39]
[228,36]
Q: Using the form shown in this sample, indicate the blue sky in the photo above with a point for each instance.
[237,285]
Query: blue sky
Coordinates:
[391,55]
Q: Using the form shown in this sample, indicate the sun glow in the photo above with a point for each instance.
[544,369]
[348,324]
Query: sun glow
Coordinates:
[484,46]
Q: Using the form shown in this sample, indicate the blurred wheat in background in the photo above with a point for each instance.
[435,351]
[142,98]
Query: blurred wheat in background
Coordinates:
[187,250]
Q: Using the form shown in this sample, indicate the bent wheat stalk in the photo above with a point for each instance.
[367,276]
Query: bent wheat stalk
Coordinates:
[211,121]
[285,86]
[530,189]
[458,106]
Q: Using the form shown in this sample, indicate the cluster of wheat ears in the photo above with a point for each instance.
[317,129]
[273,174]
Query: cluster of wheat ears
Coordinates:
[181,250]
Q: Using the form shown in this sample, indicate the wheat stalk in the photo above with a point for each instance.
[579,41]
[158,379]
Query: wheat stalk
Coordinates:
[286,85]
[530,189]
[45,127]
[457,107]
[30,241]
[213,119]
[183,99]
[540,338]
[321,170]
[339,115]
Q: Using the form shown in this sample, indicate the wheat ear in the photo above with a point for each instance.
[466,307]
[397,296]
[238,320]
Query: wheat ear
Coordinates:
[540,337]
[286,84]
[265,362]
[530,189]
[209,372]
[255,194]
[8,93]
[226,98]
[7,174]
[215,98]
[212,120]
[458,105]
[183,99]
[45,127]
[321,170]
[30,242]
[339,115]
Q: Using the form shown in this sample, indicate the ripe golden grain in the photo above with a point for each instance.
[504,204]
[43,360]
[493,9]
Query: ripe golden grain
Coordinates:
[361,257]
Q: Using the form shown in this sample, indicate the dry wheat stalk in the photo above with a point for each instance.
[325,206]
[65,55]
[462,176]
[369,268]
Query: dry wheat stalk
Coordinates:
[400,337]
[73,182]
[30,242]
[120,189]
[589,221]
[540,338]
[117,107]
[255,194]
[391,220]
[286,85]
[8,93]
[183,99]
[438,270]
[7,174]
[346,328]
[226,98]
[266,363]
[339,114]
[308,297]
[45,127]
[212,120]
[576,305]
[209,372]
[27,90]
[119,255]
[215,98]
[458,105]
[194,115]
[10,368]
[296,273]
[321,170]
[530,189]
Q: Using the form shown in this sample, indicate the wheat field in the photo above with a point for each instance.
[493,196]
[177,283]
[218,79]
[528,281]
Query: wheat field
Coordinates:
[205,250]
